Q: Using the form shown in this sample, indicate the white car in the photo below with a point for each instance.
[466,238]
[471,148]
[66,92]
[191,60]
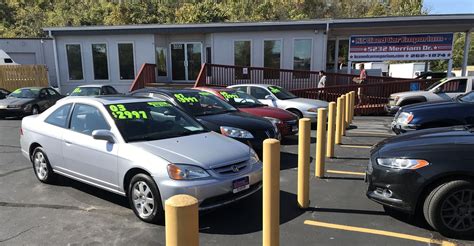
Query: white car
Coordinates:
[145,149]
[276,96]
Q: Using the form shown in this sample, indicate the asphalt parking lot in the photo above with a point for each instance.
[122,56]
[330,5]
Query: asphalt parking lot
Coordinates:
[32,213]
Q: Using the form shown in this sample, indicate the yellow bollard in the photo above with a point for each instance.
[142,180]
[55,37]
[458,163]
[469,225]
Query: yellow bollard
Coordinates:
[271,192]
[343,113]
[331,130]
[321,142]
[182,221]
[348,110]
[353,105]
[339,112]
[304,141]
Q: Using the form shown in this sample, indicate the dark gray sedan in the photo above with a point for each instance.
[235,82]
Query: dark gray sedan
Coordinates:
[27,101]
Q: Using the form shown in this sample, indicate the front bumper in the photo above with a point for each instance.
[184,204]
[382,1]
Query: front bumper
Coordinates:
[215,191]
[393,187]
[288,128]
[12,112]
[391,109]
[311,115]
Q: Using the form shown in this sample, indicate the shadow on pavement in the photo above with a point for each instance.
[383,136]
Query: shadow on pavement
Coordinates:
[289,160]
[293,140]
[246,216]
[346,211]
[349,158]
[343,178]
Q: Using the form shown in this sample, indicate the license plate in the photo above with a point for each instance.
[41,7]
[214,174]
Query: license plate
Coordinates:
[241,184]
[294,128]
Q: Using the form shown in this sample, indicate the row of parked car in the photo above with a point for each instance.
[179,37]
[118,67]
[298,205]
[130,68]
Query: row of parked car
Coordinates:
[429,169]
[157,142]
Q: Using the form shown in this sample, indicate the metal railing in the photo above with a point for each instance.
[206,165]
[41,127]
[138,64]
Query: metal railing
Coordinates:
[145,75]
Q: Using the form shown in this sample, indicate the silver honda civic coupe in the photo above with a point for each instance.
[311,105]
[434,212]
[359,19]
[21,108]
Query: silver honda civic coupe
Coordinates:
[144,149]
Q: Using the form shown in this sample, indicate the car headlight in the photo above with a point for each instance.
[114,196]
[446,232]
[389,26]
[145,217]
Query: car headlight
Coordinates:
[401,163]
[254,155]
[14,106]
[405,118]
[27,107]
[186,172]
[314,110]
[275,122]
[235,132]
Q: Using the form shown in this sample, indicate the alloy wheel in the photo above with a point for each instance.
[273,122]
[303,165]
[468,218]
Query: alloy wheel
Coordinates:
[457,210]
[41,166]
[143,199]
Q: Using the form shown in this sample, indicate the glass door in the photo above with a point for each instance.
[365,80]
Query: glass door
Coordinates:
[186,59]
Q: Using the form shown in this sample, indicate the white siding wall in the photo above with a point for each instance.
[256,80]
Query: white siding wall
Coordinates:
[143,48]
[223,47]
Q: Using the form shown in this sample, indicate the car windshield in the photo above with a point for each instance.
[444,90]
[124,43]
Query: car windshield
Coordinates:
[25,93]
[200,103]
[436,84]
[86,91]
[153,120]
[241,99]
[467,98]
[281,93]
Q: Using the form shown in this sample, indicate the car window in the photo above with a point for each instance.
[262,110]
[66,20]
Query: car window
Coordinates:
[110,90]
[43,93]
[86,91]
[86,119]
[53,92]
[59,116]
[453,86]
[468,98]
[25,93]
[240,88]
[200,103]
[153,120]
[281,93]
[258,92]
[240,99]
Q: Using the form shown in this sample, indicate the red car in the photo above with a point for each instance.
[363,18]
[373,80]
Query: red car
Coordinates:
[286,122]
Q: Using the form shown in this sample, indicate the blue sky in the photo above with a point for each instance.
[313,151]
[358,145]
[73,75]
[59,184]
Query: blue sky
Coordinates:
[449,6]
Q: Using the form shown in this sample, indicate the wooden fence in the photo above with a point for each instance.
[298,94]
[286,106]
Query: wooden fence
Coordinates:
[13,77]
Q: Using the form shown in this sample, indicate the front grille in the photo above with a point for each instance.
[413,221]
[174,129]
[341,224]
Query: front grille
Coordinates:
[269,133]
[232,168]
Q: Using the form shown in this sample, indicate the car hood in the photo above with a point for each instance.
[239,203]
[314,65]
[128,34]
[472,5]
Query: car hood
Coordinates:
[206,150]
[411,93]
[270,112]
[15,101]
[425,141]
[308,103]
[235,119]
[433,106]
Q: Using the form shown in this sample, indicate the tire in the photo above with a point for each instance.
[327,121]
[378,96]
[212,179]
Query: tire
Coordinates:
[145,200]
[43,171]
[297,112]
[35,110]
[449,208]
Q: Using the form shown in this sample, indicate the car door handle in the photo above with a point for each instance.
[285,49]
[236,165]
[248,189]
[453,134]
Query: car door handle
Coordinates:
[67,142]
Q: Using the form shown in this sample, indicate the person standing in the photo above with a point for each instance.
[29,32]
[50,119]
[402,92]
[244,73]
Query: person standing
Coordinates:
[362,81]
[321,83]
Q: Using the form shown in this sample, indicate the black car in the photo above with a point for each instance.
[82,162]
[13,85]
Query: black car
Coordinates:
[217,115]
[94,90]
[4,93]
[427,172]
[433,75]
[459,111]
[29,100]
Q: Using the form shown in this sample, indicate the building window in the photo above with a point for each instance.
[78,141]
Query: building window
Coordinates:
[302,57]
[242,51]
[74,61]
[160,54]
[271,58]
[126,61]
[99,60]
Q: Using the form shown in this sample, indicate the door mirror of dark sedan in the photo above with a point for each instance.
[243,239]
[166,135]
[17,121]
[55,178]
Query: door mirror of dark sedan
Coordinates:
[269,97]
[103,135]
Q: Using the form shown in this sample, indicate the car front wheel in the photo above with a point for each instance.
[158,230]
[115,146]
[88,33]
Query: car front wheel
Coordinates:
[145,199]
[41,166]
[449,208]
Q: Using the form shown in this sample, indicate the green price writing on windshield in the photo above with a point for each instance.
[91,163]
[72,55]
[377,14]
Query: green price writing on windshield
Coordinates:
[159,104]
[205,93]
[184,99]
[274,89]
[17,91]
[77,90]
[119,111]
[227,95]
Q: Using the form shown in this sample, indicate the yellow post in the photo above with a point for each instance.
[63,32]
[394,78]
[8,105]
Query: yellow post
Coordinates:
[321,142]
[181,220]
[348,109]
[331,129]
[339,112]
[271,192]
[343,113]
[353,105]
[304,141]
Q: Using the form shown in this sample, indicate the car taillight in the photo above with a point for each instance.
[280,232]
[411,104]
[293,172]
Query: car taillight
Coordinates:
[21,131]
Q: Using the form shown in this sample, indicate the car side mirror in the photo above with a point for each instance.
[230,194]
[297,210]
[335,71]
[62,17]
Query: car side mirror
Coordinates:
[437,90]
[269,97]
[103,135]
[67,94]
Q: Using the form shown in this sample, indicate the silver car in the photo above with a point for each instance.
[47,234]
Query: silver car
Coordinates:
[144,149]
[276,96]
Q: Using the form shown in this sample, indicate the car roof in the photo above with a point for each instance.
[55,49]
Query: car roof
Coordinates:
[166,90]
[93,85]
[106,100]
[257,85]
[217,89]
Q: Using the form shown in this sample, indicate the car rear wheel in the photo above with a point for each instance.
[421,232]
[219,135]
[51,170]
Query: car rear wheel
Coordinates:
[145,199]
[449,208]
[35,110]
[41,166]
